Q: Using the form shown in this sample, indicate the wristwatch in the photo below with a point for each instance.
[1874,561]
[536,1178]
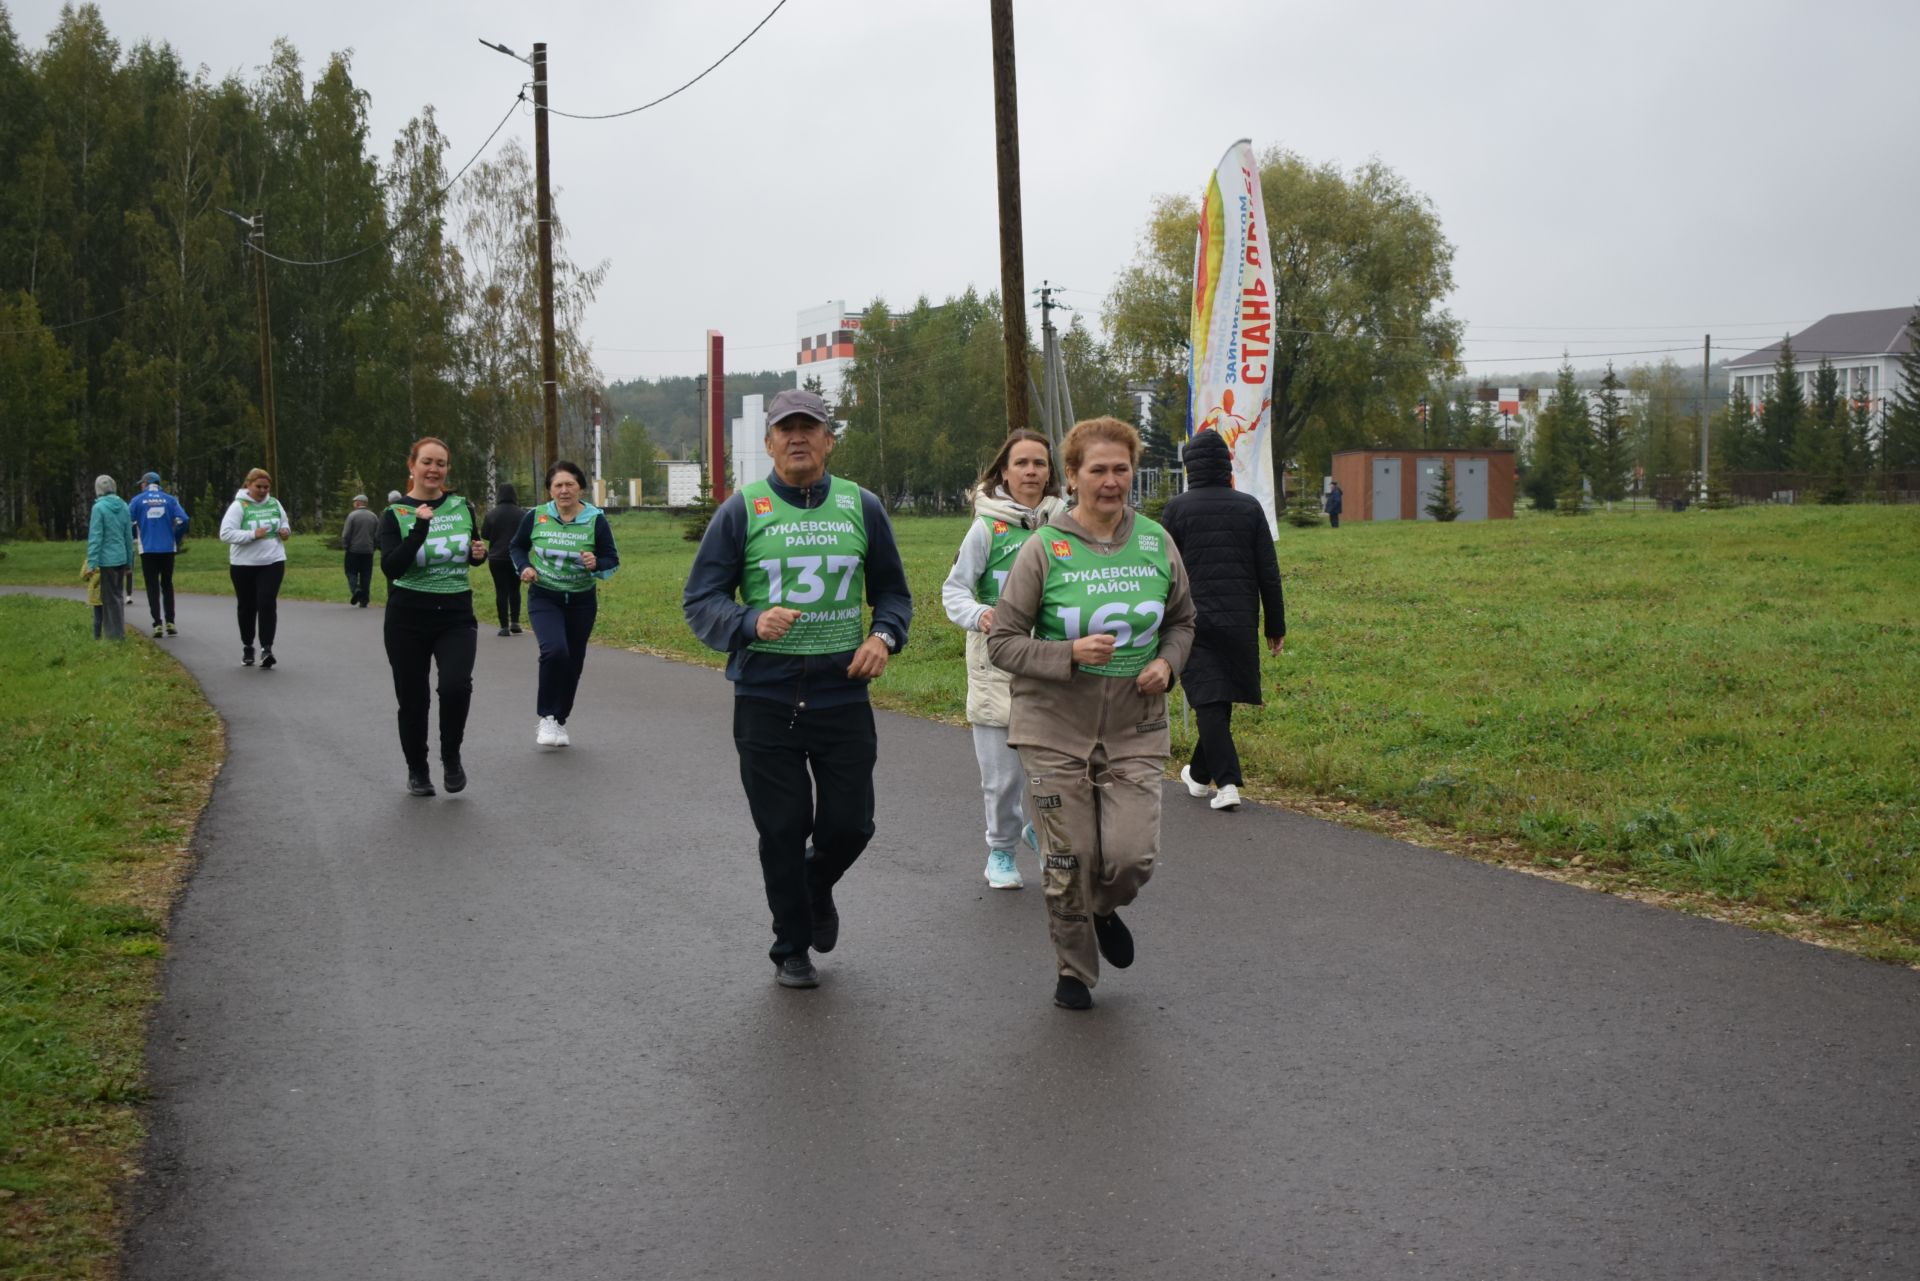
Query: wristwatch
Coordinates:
[886,638]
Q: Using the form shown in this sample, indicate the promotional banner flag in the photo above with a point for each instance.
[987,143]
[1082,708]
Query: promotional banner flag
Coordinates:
[1230,386]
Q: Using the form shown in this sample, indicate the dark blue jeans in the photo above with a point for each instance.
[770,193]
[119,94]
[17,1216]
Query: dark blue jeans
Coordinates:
[562,623]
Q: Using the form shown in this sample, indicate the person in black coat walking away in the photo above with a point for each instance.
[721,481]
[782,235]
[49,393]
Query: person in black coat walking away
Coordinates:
[1335,501]
[1223,538]
[502,522]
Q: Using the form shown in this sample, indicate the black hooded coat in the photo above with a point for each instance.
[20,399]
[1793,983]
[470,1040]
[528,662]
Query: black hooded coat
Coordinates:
[1228,551]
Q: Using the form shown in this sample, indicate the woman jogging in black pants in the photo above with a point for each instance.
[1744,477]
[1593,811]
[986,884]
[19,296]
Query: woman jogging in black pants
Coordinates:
[562,549]
[427,545]
[501,524]
[255,530]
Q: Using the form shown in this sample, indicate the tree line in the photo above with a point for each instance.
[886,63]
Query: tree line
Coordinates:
[403,302]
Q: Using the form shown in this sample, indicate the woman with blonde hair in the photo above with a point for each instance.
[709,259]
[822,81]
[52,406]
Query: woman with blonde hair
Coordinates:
[255,529]
[1016,494]
[1094,622]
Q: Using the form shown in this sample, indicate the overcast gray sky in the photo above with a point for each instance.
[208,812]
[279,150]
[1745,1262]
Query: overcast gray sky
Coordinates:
[1615,177]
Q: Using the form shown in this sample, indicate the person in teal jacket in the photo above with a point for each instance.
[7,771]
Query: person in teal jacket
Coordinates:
[110,554]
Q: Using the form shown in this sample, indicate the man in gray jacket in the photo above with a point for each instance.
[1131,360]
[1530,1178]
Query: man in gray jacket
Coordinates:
[359,537]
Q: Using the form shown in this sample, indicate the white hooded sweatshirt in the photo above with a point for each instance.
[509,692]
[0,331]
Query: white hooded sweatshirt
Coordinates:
[242,547]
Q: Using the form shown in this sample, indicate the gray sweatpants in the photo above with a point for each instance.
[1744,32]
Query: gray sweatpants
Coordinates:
[1003,785]
[1099,827]
[115,580]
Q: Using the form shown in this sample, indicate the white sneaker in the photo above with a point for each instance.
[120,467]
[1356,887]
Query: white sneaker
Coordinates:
[560,738]
[548,734]
[1193,788]
[1228,798]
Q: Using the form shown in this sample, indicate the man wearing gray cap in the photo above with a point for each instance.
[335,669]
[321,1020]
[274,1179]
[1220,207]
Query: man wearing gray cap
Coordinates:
[804,550]
[360,537]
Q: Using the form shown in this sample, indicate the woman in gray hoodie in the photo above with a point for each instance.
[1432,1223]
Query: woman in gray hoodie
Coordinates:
[1016,494]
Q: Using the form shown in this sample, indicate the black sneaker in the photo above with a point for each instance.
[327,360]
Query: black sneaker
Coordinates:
[501,632]
[266,657]
[172,630]
[515,629]
[826,917]
[797,971]
[456,776]
[1071,994]
[1115,939]
[419,783]
[246,656]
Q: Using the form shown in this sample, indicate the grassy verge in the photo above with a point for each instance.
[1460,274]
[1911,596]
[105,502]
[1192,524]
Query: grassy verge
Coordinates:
[1711,708]
[110,754]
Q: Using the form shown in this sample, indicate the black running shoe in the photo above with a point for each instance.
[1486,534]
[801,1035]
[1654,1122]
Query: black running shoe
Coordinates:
[826,917]
[419,783]
[1115,939]
[456,777]
[1071,994]
[797,971]
[246,656]
[266,657]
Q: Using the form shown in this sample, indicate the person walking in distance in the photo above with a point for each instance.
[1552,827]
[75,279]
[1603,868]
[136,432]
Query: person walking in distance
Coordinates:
[159,521]
[1094,623]
[255,529]
[501,523]
[427,548]
[359,538]
[1334,503]
[110,554]
[562,548]
[1223,537]
[1015,495]
[803,549]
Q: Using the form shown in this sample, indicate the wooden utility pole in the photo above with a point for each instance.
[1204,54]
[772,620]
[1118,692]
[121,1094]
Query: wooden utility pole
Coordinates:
[258,235]
[1013,270]
[543,212]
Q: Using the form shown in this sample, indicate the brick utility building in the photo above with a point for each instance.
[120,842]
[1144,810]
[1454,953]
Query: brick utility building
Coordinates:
[1397,484]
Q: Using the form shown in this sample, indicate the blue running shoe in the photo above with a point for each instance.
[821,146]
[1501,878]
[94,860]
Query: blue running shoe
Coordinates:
[1031,837]
[1002,872]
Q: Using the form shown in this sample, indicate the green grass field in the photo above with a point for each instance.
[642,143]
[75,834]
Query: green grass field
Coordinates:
[111,751]
[1713,704]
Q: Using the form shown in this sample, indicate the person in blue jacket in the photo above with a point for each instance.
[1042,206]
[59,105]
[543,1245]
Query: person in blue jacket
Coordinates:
[159,522]
[562,549]
[807,552]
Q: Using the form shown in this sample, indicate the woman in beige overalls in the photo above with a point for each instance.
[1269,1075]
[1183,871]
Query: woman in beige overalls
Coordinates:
[1094,623]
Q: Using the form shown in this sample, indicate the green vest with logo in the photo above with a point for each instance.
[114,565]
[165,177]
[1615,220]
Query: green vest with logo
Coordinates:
[1123,594]
[1007,539]
[268,515]
[441,563]
[813,559]
[557,545]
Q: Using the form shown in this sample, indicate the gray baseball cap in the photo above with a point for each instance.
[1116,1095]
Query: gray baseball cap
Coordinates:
[794,401]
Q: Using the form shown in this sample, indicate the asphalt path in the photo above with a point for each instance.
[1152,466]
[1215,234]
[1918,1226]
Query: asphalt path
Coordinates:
[530,1031]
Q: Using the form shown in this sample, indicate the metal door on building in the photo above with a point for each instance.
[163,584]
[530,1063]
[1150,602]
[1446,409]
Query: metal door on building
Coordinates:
[1386,489]
[1470,488]
[1427,486]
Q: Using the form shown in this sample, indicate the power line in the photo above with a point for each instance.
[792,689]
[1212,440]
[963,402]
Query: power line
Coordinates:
[615,115]
[404,223]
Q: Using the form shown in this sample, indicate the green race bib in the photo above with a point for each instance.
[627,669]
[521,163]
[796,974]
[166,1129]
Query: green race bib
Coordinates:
[810,559]
[1123,595]
[267,515]
[1007,540]
[441,563]
[557,545]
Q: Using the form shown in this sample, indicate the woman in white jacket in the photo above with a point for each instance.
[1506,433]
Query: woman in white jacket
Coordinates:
[255,530]
[1013,498]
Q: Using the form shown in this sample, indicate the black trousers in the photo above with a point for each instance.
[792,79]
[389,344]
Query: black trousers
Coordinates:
[807,774]
[417,641]
[256,589]
[156,568]
[1335,518]
[506,590]
[1215,759]
[562,623]
[359,577]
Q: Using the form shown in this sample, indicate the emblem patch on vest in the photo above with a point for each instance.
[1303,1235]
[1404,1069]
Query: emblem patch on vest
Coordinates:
[1062,549]
[762,506]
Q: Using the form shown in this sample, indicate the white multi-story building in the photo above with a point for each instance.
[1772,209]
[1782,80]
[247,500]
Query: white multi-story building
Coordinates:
[1864,346]
[825,347]
[750,460]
